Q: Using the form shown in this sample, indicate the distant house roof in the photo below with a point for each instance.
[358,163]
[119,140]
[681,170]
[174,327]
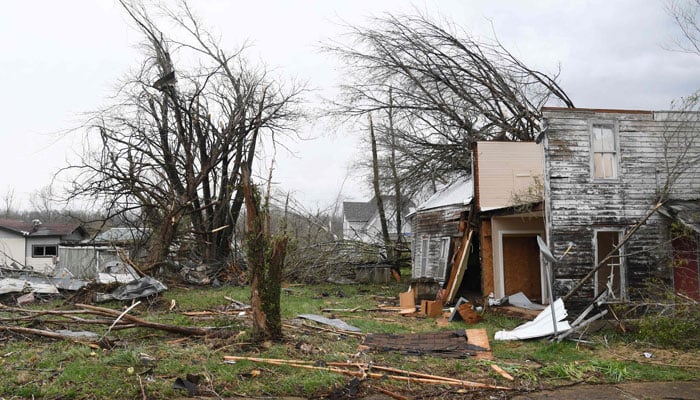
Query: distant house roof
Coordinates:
[121,235]
[359,211]
[36,228]
[459,192]
[686,212]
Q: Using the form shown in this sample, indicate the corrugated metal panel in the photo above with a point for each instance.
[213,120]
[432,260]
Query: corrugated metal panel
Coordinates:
[85,262]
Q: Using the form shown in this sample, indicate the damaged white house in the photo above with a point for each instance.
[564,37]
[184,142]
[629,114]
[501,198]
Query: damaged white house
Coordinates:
[34,244]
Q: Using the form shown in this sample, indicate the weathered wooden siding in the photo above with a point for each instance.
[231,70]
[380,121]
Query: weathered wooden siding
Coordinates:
[576,204]
[434,226]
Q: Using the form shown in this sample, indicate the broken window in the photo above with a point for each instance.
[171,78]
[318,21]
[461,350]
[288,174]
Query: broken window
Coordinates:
[612,273]
[425,243]
[44,250]
[604,151]
[444,258]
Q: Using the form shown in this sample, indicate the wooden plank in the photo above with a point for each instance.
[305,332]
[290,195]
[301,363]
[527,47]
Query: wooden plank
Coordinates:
[479,337]
[501,372]
[457,273]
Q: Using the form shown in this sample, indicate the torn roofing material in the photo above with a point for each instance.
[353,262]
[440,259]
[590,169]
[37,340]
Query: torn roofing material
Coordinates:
[541,326]
[453,344]
[687,212]
[460,192]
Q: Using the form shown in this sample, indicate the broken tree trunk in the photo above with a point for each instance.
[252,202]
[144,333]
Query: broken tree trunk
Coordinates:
[266,256]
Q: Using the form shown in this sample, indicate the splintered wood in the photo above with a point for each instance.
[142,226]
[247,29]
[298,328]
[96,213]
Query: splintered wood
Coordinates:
[373,371]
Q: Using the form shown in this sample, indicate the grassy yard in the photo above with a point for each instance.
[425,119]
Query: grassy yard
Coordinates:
[145,363]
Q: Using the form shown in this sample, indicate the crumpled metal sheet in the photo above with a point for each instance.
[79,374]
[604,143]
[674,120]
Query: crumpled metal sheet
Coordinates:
[337,323]
[138,288]
[13,285]
[541,326]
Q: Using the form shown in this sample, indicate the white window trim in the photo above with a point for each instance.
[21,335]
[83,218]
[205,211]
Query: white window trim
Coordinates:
[498,273]
[616,137]
[622,269]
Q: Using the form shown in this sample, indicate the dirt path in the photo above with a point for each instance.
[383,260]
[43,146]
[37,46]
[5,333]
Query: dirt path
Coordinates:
[623,391]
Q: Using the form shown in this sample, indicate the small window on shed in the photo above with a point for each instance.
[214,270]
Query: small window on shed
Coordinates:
[44,250]
[604,151]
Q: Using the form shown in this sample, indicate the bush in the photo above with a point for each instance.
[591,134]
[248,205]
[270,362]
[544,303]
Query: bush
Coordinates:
[680,328]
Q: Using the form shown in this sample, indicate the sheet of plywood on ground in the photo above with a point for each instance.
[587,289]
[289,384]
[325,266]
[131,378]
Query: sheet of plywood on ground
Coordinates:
[479,337]
[459,267]
[486,257]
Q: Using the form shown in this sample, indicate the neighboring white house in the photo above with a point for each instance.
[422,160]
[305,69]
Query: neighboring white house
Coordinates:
[35,245]
[361,220]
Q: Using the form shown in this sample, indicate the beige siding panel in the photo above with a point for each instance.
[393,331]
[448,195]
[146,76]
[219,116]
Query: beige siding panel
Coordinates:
[505,169]
[11,248]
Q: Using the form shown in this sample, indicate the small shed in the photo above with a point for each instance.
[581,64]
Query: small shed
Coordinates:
[437,224]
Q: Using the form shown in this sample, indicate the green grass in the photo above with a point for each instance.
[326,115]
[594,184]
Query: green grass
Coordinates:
[42,368]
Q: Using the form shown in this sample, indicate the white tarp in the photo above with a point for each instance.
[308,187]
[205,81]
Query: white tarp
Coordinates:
[541,326]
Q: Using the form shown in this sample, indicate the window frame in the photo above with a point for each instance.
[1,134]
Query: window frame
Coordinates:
[44,247]
[622,267]
[616,154]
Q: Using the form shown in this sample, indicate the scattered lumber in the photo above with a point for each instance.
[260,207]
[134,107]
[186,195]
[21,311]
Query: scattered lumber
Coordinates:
[366,371]
[502,372]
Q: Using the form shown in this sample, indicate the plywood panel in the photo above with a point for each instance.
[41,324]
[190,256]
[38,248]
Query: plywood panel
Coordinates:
[521,266]
[486,257]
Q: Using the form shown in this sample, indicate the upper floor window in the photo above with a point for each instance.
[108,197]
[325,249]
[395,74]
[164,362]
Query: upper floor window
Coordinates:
[604,150]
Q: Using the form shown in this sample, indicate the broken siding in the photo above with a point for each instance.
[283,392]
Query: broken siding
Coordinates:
[578,205]
[432,235]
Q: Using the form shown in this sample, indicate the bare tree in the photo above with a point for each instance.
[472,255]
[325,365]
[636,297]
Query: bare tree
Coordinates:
[447,90]
[8,202]
[43,201]
[172,147]
[686,15]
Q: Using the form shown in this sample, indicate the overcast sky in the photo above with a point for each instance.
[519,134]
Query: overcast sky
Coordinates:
[62,59]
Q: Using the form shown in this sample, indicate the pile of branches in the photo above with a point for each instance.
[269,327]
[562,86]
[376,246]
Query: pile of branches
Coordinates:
[333,260]
[54,323]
